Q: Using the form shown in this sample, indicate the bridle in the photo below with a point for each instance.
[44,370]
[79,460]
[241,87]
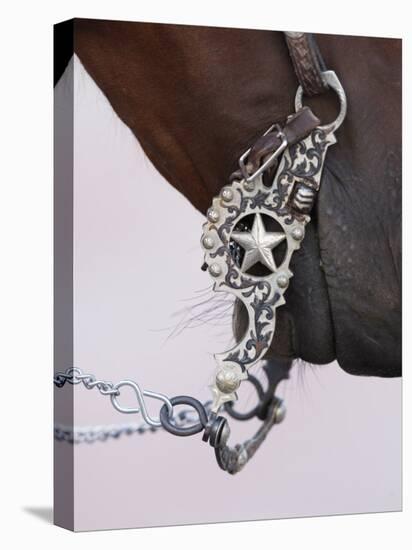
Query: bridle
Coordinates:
[253,228]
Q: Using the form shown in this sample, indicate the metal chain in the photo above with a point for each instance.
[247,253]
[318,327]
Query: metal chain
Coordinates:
[91,434]
[75,376]
[184,421]
[98,433]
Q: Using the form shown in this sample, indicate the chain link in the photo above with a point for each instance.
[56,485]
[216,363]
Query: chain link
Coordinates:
[183,420]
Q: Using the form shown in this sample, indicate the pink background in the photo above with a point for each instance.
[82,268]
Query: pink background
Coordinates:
[136,272]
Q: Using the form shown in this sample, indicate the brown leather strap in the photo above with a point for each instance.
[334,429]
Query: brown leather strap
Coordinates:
[297,127]
[307,62]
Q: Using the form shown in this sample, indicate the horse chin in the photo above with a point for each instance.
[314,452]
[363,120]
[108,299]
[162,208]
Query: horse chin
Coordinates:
[304,327]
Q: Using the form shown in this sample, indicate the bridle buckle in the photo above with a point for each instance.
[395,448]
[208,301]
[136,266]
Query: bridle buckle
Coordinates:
[269,161]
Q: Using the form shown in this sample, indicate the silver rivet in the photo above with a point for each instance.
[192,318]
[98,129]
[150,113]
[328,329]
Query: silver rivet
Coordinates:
[249,185]
[280,412]
[282,280]
[213,215]
[227,381]
[226,194]
[208,242]
[215,270]
[298,233]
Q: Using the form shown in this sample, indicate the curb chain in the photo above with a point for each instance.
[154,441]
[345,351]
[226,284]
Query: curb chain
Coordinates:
[182,423]
[91,434]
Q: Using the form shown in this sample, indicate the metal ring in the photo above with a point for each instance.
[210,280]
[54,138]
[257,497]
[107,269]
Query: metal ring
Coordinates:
[253,412]
[333,82]
[166,417]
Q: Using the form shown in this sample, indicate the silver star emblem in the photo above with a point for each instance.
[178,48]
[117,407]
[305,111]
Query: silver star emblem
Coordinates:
[258,244]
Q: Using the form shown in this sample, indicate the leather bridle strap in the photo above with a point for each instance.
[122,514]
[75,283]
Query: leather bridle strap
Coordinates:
[307,62]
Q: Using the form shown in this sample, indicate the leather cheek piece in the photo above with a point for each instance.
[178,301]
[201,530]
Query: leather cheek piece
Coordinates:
[307,62]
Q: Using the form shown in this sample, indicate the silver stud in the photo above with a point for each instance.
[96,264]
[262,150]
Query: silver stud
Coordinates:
[226,194]
[298,233]
[215,270]
[249,185]
[213,215]
[280,412]
[282,280]
[208,242]
[227,381]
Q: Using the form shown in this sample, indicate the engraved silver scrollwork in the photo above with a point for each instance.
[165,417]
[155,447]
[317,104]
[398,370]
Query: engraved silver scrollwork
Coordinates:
[287,202]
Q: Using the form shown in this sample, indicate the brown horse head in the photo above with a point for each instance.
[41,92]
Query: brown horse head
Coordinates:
[197,97]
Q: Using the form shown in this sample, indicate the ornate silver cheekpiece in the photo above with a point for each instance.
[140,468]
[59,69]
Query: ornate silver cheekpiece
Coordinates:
[251,232]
